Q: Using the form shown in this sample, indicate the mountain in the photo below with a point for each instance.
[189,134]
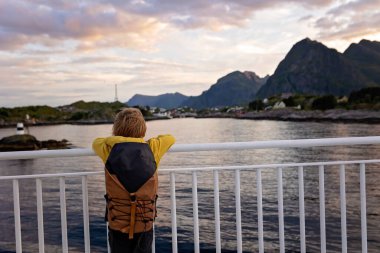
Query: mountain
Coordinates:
[312,68]
[168,100]
[366,55]
[236,88]
[309,68]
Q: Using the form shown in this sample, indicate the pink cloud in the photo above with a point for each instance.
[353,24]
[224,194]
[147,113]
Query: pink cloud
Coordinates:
[351,20]
[25,22]
[134,24]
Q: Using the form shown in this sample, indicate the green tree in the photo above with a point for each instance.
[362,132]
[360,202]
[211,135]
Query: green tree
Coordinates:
[370,95]
[289,102]
[4,113]
[256,105]
[145,112]
[324,103]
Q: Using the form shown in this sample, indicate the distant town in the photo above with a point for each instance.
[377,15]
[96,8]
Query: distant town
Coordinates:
[359,106]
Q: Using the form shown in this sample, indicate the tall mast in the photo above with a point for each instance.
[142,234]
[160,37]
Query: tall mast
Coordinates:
[116,99]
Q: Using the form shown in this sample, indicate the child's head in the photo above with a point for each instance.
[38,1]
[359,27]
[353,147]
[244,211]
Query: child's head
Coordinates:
[129,123]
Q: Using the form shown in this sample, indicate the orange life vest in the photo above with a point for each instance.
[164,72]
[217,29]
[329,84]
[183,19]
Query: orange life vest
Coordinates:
[131,186]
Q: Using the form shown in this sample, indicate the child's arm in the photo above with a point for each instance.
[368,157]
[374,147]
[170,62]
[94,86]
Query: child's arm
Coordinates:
[101,148]
[160,145]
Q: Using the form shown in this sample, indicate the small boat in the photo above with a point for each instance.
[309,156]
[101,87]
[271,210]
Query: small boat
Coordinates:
[20,128]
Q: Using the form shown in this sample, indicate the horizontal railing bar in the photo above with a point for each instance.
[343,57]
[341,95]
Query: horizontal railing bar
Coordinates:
[299,143]
[75,152]
[74,174]
[268,166]
[189,169]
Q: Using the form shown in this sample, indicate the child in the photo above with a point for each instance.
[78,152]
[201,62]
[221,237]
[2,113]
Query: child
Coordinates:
[131,181]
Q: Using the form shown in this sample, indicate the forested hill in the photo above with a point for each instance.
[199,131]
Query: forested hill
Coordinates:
[79,111]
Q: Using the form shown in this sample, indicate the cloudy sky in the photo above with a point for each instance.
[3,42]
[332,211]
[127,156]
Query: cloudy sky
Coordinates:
[58,52]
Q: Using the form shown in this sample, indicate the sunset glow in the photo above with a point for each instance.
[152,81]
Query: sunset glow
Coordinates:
[58,52]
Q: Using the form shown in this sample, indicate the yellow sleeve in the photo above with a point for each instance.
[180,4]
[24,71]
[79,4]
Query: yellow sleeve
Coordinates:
[101,148]
[160,145]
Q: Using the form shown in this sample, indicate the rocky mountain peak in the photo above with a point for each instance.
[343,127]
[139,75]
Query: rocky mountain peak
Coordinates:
[312,68]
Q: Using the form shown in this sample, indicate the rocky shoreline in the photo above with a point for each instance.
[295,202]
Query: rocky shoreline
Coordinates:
[24,142]
[286,114]
[81,122]
[335,115]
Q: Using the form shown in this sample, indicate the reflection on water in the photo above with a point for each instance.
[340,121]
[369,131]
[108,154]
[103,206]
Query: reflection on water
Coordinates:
[198,131]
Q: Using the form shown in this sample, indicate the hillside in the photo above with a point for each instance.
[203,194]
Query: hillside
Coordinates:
[79,111]
[236,88]
[312,68]
[366,56]
[168,100]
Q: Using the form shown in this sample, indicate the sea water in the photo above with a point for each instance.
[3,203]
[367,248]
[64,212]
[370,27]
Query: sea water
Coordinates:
[200,131]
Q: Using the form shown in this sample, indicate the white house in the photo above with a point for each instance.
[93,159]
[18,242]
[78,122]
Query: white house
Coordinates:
[279,105]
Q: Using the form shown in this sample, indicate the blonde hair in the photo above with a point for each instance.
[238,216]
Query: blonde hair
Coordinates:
[129,123]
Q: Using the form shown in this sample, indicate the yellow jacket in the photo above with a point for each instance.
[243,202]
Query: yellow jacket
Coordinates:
[159,145]
[130,209]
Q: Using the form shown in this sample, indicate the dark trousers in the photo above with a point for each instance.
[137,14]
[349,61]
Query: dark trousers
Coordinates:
[120,243]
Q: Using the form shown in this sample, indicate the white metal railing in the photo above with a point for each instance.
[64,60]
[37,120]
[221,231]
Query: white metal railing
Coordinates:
[172,172]
[300,143]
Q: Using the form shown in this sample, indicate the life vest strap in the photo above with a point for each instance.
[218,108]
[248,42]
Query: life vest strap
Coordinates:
[133,215]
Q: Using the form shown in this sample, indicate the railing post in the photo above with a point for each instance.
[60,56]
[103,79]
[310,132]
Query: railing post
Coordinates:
[16,206]
[86,222]
[40,217]
[195,211]
[322,218]
[343,225]
[259,190]
[280,198]
[62,198]
[108,242]
[154,240]
[301,209]
[238,212]
[363,207]
[173,213]
[217,211]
